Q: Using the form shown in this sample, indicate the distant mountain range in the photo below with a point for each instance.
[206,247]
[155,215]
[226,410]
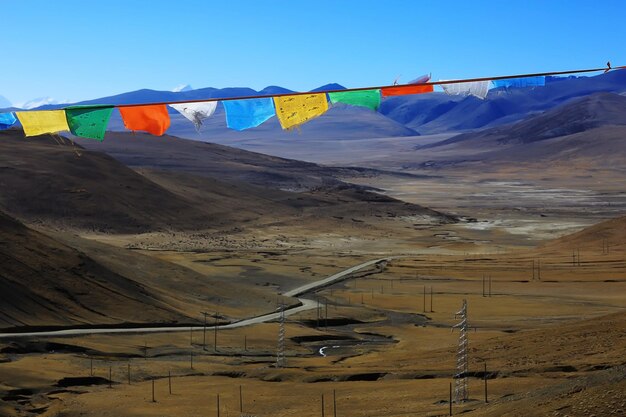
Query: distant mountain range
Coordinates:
[398,116]
[592,128]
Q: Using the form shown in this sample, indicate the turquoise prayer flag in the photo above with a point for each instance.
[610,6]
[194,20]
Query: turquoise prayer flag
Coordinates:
[7,120]
[521,82]
[245,114]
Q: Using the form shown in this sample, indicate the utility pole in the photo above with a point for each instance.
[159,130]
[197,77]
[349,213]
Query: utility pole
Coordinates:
[483,285]
[204,331]
[318,313]
[326,314]
[240,400]
[539,269]
[215,333]
[431,299]
[485,377]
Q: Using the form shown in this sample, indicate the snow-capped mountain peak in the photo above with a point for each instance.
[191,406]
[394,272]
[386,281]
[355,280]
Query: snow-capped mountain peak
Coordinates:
[38,102]
[182,87]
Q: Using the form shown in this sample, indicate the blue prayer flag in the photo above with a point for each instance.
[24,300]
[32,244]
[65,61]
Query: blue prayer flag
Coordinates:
[521,82]
[244,114]
[7,120]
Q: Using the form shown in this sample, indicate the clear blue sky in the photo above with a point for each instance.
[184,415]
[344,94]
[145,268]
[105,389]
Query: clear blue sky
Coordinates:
[92,48]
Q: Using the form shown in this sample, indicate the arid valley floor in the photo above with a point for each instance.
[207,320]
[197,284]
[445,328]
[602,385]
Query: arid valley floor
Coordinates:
[538,250]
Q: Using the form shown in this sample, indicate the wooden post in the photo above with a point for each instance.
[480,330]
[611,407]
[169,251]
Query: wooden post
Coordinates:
[361,298]
[322,405]
[450,402]
[240,400]
[191,360]
[485,376]
[489,285]
[153,400]
[191,336]
[129,374]
[334,403]
[169,381]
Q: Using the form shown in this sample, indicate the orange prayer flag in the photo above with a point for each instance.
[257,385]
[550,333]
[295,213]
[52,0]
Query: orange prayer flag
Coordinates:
[152,118]
[402,90]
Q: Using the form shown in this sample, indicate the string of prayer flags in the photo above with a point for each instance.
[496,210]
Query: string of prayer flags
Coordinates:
[363,98]
[7,120]
[474,88]
[521,82]
[245,114]
[293,111]
[88,121]
[402,90]
[152,118]
[196,112]
[42,121]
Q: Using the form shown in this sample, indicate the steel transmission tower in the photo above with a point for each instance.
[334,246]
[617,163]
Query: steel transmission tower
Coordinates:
[462,365]
[280,354]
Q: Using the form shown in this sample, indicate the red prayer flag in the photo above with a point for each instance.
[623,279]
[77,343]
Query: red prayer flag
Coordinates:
[402,90]
[152,119]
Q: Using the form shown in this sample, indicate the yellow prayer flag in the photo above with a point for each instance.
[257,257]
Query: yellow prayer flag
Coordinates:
[44,121]
[295,110]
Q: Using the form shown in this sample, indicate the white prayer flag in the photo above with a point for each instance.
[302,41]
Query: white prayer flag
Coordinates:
[474,88]
[196,112]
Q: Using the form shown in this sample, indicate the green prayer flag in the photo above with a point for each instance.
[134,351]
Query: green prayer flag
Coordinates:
[88,121]
[363,98]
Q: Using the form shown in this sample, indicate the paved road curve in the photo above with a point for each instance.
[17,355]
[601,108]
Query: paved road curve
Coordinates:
[304,305]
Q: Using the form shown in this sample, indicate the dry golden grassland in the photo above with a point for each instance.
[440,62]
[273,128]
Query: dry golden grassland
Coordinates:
[545,342]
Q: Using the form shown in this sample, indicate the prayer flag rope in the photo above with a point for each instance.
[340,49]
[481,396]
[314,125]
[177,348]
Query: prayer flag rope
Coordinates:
[245,112]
